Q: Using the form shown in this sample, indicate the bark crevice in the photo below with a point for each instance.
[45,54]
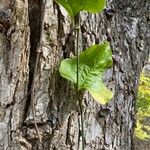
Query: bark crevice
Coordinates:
[35,26]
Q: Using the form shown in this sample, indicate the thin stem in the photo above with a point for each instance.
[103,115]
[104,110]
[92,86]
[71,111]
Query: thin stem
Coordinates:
[38,51]
[77,51]
[82,121]
[77,23]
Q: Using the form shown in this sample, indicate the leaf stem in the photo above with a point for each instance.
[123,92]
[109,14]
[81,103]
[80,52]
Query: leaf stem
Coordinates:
[77,28]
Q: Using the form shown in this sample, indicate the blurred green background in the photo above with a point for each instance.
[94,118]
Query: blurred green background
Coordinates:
[142,130]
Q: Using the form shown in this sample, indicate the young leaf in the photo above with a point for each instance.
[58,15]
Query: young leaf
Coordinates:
[73,7]
[92,64]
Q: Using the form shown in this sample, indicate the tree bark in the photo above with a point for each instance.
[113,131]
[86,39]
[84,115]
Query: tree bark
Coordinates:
[126,24]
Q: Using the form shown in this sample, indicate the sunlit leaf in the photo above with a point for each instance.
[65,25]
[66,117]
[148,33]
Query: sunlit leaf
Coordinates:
[92,64]
[73,7]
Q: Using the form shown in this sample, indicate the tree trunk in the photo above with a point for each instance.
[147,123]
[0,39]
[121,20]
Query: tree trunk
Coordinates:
[125,24]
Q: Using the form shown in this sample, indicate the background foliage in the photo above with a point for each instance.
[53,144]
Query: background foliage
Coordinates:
[142,130]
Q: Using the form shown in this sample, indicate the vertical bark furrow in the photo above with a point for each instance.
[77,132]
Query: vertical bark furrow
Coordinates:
[35,25]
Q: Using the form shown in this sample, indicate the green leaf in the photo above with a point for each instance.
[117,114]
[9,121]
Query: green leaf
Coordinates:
[75,6]
[92,64]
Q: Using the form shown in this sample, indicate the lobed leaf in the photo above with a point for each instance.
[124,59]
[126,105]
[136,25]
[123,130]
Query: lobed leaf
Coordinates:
[92,64]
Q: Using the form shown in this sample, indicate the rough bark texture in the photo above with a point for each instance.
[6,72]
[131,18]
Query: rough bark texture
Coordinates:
[125,24]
